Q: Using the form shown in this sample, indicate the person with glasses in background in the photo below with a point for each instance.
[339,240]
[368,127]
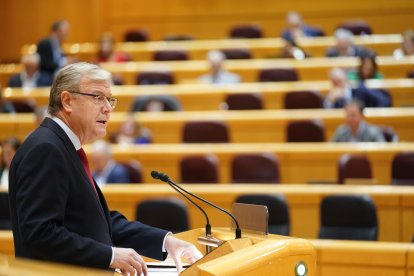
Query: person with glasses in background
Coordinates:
[58,212]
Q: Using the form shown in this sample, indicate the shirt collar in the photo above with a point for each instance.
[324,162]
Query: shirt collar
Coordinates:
[72,136]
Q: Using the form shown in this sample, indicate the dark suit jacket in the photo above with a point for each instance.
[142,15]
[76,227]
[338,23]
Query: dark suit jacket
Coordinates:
[368,97]
[44,79]
[56,214]
[118,174]
[308,31]
[47,60]
[359,51]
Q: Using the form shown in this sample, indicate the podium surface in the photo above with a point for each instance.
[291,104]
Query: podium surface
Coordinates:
[254,254]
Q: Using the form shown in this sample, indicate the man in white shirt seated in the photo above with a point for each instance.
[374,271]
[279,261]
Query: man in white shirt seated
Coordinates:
[218,75]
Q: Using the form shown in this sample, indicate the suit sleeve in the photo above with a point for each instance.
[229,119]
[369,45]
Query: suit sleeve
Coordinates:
[146,240]
[42,193]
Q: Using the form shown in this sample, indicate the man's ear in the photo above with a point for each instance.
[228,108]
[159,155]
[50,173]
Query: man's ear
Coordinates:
[66,100]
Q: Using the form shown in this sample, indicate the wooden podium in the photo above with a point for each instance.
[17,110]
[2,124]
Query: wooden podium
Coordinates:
[254,254]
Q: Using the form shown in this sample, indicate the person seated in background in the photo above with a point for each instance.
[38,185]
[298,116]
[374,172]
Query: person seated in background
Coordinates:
[291,50]
[356,129]
[296,28]
[106,51]
[5,106]
[218,75]
[106,169]
[342,93]
[407,45]
[50,48]
[130,132]
[368,69]
[9,148]
[31,76]
[345,46]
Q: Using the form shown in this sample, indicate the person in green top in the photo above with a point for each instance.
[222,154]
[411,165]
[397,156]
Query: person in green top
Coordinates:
[368,69]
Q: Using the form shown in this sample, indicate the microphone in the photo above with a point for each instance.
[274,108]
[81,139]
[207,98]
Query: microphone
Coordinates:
[165,178]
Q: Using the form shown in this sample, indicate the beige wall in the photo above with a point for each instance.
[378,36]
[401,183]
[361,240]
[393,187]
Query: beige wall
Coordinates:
[26,21]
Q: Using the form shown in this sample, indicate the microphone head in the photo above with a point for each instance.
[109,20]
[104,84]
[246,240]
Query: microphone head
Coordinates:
[160,176]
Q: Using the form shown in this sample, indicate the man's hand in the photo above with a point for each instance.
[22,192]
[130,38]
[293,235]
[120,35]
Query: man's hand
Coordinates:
[177,248]
[129,262]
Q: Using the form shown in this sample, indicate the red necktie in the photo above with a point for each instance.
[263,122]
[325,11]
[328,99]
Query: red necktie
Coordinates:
[85,164]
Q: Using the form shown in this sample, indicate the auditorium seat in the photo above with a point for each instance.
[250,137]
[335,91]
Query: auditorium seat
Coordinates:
[134,171]
[205,132]
[303,99]
[167,102]
[246,31]
[237,53]
[410,75]
[178,37]
[353,166]
[244,101]
[348,217]
[166,213]
[166,55]
[149,78]
[402,169]
[23,106]
[278,74]
[389,133]
[255,168]
[357,27]
[279,222]
[199,169]
[137,35]
[305,131]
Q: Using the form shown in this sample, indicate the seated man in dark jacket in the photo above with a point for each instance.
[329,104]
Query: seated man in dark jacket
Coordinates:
[31,76]
[345,46]
[342,93]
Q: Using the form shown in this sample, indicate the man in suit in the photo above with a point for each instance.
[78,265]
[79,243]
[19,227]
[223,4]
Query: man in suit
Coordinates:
[49,49]
[106,169]
[297,28]
[31,77]
[345,46]
[58,212]
[355,128]
[342,93]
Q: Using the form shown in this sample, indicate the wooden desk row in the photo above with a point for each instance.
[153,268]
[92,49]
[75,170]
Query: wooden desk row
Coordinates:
[248,126]
[298,162]
[186,71]
[308,69]
[395,205]
[194,97]
[383,44]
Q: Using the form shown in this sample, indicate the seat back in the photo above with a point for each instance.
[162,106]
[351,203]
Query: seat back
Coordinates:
[357,27]
[134,171]
[199,169]
[165,55]
[278,74]
[255,168]
[244,101]
[279,222]
[305,131]
[5,221]
[24,106]
[205,132]
[246,31]
[348,217]
[353,166]
[168,103]
[237,53]
[402,170]
[166,213]
[389,133]
[155,78]
[410,74]
[137,35]
[303,99]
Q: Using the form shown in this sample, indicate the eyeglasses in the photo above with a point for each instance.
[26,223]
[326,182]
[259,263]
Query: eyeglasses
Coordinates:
[99,99]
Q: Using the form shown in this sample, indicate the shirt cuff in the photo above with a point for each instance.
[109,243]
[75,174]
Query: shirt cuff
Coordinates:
[113,256]
[163,243]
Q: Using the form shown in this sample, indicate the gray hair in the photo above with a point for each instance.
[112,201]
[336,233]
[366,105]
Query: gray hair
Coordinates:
[215,56]
[68,79]
[344,34]
[102,146]
[30,59]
